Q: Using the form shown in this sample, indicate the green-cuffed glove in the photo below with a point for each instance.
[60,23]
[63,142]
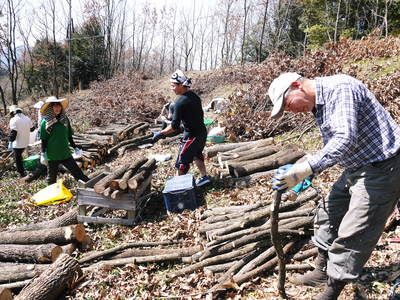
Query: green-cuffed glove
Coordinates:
[292,176]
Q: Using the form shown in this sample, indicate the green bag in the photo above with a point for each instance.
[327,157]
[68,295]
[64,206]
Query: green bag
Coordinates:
[31,162]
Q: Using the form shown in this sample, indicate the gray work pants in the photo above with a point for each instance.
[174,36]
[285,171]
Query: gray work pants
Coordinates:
[350,221]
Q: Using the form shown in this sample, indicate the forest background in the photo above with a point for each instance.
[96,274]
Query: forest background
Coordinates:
[55,47]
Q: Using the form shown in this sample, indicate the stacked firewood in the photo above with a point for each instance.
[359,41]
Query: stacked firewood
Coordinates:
[127,178]
[97,144]
[247,161]
[239,244]
[41,250]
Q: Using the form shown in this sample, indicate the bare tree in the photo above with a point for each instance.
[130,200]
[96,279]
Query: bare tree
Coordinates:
[264,22]
[8,45]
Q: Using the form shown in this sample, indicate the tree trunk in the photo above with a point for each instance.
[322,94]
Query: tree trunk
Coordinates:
[69,218]
[5,294]
[264,164]
[213,150]
[104,183]
[30,253]
[13,272]
[143,172]
[52,283]
[62,235]
[100,254]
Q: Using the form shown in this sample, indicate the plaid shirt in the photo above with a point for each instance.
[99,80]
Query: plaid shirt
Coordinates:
[355,128]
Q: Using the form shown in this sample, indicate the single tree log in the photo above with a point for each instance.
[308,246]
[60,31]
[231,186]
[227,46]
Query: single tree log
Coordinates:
[143,172]
[248,180]
[5,294]
[215,260]
[134,260]
[306,254]
[152,252]
[18,285]
[52,283]
[255,154]
[123,183]
[213,269]
[100,254]
[276,241]
[130,141]
[104,183]
[255,145]
[62,235]
[13,272]
[213,150]
[69,218]
[30,253]
[264,164]
[298,267]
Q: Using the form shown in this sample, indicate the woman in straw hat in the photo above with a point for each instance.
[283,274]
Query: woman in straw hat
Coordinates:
[56,135]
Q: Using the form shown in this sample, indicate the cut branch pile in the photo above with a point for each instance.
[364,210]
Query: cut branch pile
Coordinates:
[27,251]
[239,244]
[244,163]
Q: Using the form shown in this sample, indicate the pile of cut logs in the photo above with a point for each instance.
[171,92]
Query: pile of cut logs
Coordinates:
[41,250]
[239,244]
[127,178]
[247,161]
[97,144]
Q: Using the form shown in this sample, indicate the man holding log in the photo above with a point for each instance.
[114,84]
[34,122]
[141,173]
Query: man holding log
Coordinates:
[189,111]
[360,135]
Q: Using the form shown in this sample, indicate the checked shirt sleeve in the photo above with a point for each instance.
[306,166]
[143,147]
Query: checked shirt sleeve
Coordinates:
[339,127]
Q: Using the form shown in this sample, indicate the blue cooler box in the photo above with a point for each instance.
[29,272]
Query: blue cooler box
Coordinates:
[179,193]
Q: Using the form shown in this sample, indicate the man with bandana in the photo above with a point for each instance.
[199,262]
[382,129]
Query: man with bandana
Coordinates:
[188,111]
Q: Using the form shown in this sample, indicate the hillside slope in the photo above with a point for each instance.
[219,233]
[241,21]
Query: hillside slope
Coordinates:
[136,97]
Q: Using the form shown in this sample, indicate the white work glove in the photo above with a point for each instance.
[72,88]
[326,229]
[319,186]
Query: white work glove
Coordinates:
[10,146]
[77,153]
[43,159]
[292,176]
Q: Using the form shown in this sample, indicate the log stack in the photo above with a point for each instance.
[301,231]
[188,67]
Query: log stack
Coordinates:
[28,251]
[239,244]
[97,144]
[126,179]
[243,163]
[126,188]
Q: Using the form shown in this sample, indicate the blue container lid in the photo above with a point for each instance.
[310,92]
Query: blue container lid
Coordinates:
[179,183]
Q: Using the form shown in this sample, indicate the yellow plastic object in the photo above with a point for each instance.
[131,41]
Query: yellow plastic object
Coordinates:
[53,194]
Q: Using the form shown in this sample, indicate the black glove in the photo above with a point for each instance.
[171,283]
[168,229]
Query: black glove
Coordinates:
[157,136]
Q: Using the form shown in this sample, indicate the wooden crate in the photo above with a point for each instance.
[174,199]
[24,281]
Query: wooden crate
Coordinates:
[132,203]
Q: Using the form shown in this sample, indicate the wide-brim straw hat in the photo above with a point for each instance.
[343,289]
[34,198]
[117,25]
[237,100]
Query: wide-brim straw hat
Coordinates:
[64,102]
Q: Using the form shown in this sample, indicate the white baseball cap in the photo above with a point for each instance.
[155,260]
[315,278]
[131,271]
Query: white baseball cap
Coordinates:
[277,90]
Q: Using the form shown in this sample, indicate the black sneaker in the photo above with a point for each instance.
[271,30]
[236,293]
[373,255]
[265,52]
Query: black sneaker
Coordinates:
[203,180]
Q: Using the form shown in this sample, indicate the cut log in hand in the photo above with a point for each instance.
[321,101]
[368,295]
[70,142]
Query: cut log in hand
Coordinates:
[276,241]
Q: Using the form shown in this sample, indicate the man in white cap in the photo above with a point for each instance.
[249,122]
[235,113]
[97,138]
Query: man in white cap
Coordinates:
[360,135]
[20,126]
[188,111]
